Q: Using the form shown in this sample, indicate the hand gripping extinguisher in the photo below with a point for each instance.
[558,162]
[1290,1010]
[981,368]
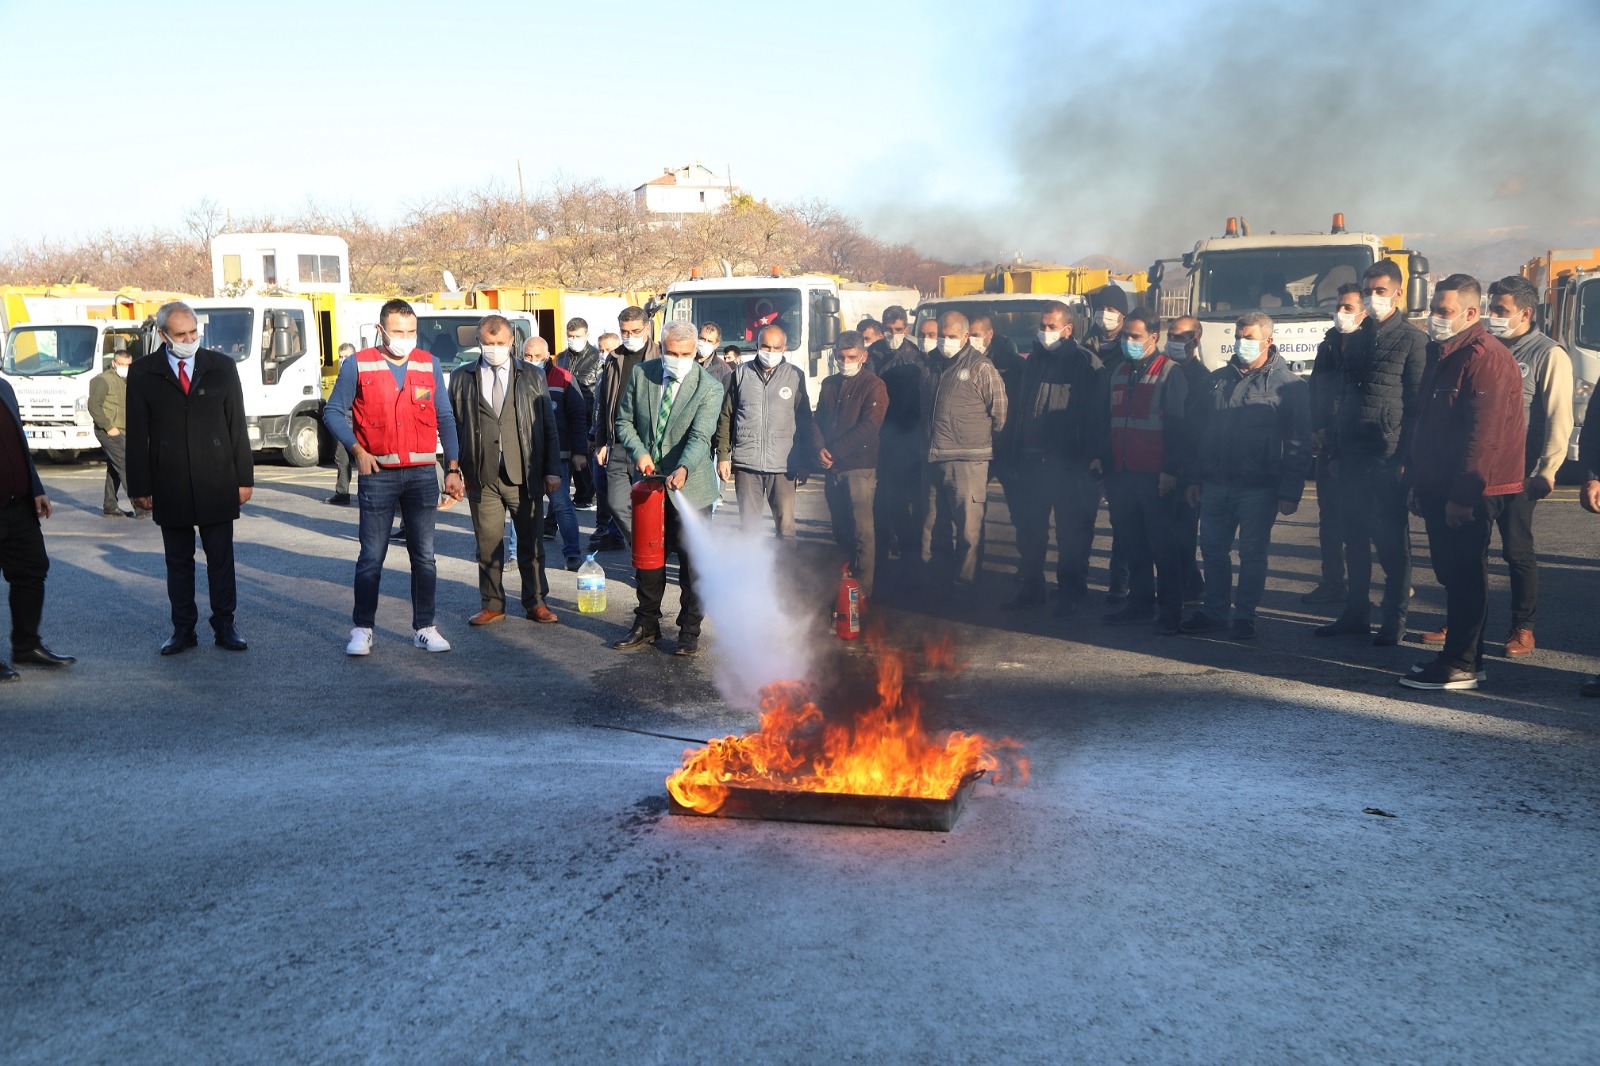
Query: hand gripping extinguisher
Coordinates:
[650,523]
[847,611]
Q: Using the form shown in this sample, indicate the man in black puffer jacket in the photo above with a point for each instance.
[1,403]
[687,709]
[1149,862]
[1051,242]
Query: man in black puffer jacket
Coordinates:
[1383,366]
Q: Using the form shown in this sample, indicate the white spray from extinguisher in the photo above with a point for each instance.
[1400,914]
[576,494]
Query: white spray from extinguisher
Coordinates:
[756,640]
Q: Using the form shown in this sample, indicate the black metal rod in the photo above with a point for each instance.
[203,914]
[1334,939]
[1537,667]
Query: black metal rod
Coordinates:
[647,733]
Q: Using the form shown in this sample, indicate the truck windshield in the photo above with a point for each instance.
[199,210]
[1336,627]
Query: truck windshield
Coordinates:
[741,315]
[1588,315]
[1017,320]
[452,340]
[49,351]
[1283,282]
[226,330]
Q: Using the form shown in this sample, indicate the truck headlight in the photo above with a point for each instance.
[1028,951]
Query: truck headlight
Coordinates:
[1580,401]
[80,412]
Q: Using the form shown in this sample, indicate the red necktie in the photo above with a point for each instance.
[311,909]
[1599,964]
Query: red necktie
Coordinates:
[183,374]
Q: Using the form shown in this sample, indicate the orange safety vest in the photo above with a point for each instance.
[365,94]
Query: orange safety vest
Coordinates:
[1136,416]
[396,423]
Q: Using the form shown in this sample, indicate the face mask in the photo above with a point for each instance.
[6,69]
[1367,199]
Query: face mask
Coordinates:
[577,344]
[1247,352]
[122,371]
[1499,327]
[498,355]
[1109,320]
[185,350]
[677,365]
[1379,306]
[769,359]
[402,347]
[1441,328]
[1049,337]
[850,370]
[1346,321]
[1133,349]
[951,346]
[705,348]
[929,343]
[1177,351]
[896,340]
[979,345]
[634,344]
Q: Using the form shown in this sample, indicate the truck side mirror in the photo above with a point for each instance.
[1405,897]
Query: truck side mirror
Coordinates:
[282,336]
[1417,284]
[826,324]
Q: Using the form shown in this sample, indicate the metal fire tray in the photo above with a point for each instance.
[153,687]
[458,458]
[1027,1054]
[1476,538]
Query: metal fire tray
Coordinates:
[838,808]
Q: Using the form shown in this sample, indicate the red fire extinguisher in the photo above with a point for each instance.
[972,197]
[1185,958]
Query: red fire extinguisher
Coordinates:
[650,523]
[847,611]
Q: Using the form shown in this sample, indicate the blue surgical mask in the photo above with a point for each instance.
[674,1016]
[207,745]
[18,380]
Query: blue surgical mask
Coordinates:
[1133,349]
[1247,352]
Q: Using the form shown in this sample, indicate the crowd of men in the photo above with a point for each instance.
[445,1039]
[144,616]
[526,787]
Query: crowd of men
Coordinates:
[1464,425]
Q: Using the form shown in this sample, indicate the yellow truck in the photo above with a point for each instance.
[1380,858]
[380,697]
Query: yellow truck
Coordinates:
[1013,296]
[1568,280]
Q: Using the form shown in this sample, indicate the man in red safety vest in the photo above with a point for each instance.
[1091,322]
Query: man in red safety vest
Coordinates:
[1143,446]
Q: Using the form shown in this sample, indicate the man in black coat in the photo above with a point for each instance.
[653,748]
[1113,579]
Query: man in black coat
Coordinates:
[582,360]
[22,556]
[510,459]
[189,460]
[1589,494]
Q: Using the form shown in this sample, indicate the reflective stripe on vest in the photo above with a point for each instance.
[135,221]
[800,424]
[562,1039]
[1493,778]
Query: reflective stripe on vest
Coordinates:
[1136,417]
[397,423]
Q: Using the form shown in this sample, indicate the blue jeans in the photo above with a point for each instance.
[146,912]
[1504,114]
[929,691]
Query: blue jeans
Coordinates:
[565,514]
[414,490]
[1249,512]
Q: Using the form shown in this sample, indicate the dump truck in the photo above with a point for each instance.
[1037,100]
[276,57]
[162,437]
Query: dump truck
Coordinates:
[1014,296]
[1293,277]
[1568,281]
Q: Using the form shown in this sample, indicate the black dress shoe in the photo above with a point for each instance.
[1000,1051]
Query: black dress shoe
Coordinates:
[179,642]
[8,674]
[637,637]
[1344,626]
[229,638]
[42,656]
[339,499]
[688,645]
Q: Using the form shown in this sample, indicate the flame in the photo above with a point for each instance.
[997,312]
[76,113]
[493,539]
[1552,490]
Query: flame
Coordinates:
[883,751]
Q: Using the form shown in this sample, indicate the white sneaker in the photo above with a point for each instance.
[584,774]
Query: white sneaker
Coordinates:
[360,641]
[428,639]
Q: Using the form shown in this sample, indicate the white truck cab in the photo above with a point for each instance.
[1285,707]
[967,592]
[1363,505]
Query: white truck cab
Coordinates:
[50,365]
[806,307]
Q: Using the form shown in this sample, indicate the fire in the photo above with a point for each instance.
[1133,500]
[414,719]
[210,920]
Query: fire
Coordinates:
[883,751]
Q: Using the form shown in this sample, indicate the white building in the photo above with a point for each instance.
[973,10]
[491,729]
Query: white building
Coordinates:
[691,190]
[292,262]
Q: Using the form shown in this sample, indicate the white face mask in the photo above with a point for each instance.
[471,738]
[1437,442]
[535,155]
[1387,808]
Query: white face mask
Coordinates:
[705,348]
[402,346]
[498,355]
[896,340]
[1346,321]
[1246,352]
[184,350]
[951,345]
[1110,320]
[577,344]
[677,365]
[1442,329]
[769,359]
[634,344]
[1049,337]
[122,371]
[929,343]
[850,370]
[1177,351]
[979,345]
[1379,306]
[1499,327]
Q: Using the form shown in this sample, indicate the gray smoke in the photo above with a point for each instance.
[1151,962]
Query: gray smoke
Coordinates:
[1451,120]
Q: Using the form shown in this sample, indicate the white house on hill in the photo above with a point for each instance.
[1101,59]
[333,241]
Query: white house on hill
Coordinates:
[690,190]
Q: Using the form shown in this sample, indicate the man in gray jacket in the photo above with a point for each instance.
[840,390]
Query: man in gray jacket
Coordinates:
[764,434]
[963,407]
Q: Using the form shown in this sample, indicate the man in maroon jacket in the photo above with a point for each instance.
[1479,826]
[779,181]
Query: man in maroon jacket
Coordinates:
[850,410]
[1466,460]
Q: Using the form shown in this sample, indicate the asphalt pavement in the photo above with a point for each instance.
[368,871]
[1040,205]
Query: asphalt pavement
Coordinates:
[1227,852]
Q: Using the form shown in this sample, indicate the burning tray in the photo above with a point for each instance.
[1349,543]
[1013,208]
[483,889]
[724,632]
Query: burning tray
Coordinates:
[888,812]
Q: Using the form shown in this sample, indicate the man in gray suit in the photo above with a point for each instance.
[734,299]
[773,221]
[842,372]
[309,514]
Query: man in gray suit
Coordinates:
[665,422]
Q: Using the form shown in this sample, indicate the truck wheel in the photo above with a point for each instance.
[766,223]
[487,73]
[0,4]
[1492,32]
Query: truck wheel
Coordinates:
[67,456]
[303,448]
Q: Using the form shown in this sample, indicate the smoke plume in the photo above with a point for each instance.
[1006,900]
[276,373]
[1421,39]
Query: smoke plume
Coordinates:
[1139,136]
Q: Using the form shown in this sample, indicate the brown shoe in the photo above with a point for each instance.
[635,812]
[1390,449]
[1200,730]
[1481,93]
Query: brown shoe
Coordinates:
[486,617]
[1437,636]
[540,613]
[1520,642]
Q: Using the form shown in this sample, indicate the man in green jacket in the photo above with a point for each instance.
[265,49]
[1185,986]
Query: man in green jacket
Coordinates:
[665,421]
[108,406]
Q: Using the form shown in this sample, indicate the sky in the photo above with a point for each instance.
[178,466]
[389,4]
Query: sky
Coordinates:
[975,132]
